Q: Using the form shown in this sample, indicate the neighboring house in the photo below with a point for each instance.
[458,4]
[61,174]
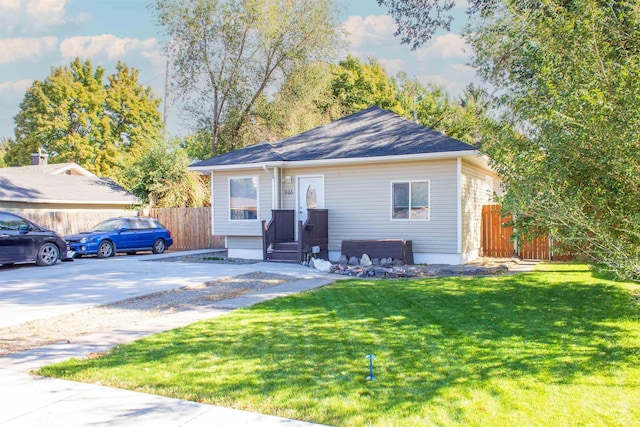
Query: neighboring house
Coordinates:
[376,175]
[65,196]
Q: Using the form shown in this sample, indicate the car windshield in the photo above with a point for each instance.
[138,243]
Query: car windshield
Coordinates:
[108,225]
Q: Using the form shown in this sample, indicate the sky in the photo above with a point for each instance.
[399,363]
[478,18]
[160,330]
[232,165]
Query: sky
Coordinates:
[37,35]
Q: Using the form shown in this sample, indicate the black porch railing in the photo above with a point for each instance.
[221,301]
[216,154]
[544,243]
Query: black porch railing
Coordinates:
[278,238]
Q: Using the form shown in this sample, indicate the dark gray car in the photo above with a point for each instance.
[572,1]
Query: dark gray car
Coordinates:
[24,241]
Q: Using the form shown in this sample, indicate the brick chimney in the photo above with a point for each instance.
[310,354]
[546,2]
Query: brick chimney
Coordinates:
[39,158]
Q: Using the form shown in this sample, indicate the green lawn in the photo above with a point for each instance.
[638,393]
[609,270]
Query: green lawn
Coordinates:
[560,346]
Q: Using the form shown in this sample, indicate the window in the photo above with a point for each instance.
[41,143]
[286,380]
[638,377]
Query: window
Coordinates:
[129,224]
[243,198]
[410,200]
[11,222]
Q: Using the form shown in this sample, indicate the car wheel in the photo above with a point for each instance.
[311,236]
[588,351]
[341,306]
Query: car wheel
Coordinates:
[105,250]
[48,254]
[159,246]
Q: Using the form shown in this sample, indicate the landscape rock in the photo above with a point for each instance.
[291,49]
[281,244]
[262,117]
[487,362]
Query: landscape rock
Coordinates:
[321,265]
[379,272]
[388,268]
[365,260]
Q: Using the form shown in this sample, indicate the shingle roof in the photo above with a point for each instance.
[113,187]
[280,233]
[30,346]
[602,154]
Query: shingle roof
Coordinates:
[40,184]
[373,132]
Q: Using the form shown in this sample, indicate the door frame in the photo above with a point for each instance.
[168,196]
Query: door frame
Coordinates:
[298,178]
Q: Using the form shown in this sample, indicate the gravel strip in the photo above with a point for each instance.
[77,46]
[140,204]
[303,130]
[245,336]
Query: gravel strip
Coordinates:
[38,333]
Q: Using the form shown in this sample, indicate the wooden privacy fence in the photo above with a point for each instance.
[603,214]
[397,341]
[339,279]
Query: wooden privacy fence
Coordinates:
[190,227]
[497,239]
[72,221]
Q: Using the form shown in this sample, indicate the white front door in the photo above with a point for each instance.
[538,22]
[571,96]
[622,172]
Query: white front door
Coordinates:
[310,195]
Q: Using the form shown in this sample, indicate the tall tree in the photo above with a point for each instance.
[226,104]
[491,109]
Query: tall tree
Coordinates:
[357,86]
[74,115]
[227,54]
[464,118]
[569,150]
[159,176]
[570,72]
[418,20]
[4,147]
[304,101]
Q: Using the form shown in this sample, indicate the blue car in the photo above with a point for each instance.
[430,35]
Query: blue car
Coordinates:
[123,234]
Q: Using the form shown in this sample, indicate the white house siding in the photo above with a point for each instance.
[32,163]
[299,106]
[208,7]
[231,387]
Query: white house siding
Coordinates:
[358,198]
[222,224]
[478,187]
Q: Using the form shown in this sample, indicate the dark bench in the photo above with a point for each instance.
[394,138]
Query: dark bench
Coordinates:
[383,248]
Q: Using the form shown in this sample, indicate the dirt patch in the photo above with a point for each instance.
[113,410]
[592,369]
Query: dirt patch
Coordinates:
[128,312]
[218,257]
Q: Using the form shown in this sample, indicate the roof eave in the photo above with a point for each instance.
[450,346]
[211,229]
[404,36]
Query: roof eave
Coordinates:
[240,166]
[472,155]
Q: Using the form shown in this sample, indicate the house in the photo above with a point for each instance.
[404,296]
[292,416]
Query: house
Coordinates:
[65,197]
[372,175]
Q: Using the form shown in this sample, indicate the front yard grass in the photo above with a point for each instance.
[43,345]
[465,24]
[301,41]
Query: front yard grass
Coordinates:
[559,346]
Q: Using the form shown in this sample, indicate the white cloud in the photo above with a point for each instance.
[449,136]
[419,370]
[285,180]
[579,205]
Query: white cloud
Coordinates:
[392,65]
[156,58]
[448,46]
[18,86]
[463,70]
[22,48]
[449,84]
[35,16]
[50,11]
[453,78]
[373,30]
[108,45]
[9,6]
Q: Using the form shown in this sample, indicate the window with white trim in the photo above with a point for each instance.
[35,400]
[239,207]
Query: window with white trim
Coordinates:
[410,200]
[243,198]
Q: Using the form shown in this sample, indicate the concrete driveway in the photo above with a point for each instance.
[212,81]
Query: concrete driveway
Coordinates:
[29,292]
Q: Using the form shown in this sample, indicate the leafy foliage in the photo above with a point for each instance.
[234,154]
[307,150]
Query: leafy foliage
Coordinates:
[76,117]
[304,102]
[568,149]
[4,144]
[320,93]
[418,20]
[227,55]
[570,72]
[357,86]
[159,177]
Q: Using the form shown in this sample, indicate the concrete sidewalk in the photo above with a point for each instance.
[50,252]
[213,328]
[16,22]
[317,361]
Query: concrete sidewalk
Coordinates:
[35,401]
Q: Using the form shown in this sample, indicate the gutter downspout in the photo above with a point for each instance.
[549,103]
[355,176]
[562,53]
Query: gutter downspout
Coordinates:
[459,208]
[213,209]
[275,186]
